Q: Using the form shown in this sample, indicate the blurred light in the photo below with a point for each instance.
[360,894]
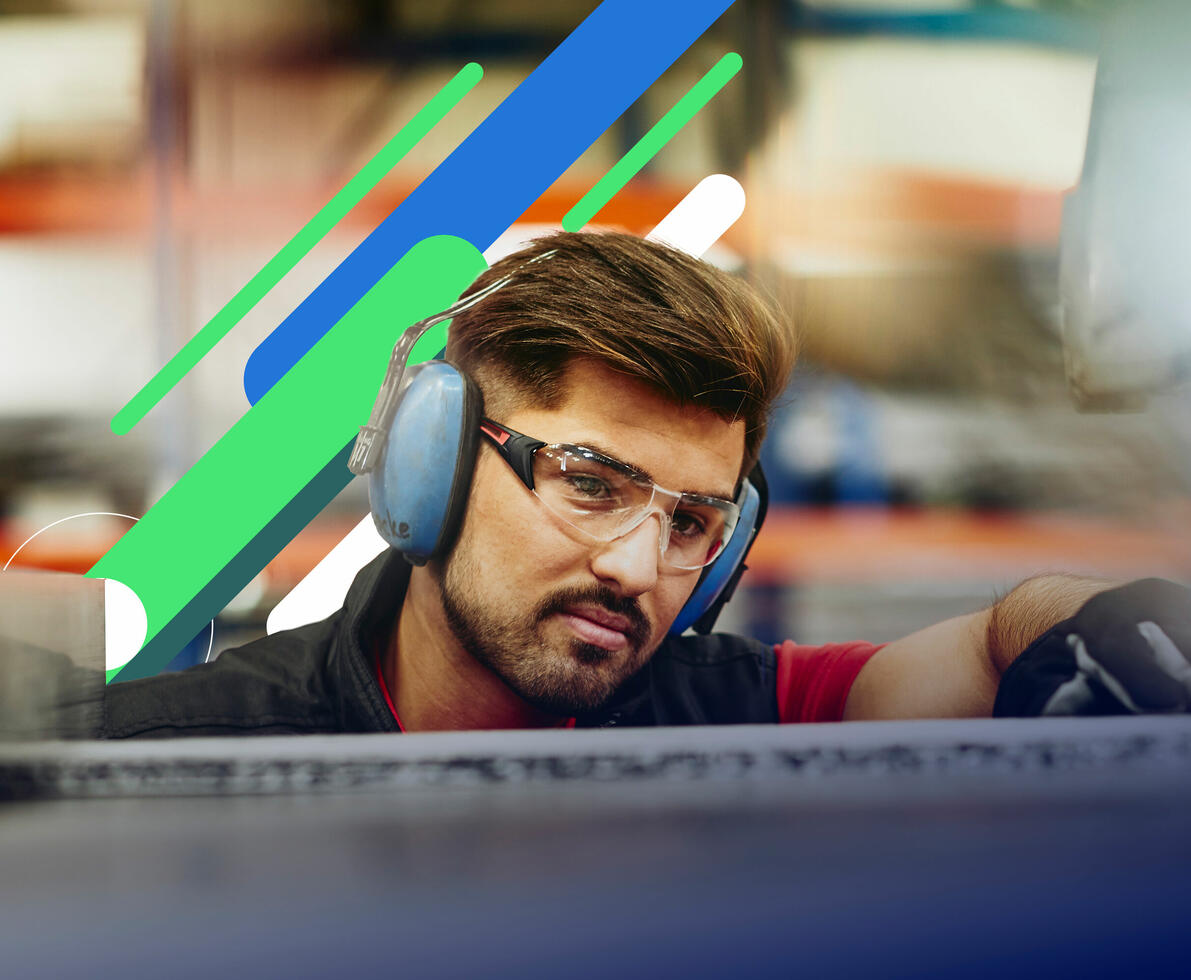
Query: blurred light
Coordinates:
[71,89]
[1127,231]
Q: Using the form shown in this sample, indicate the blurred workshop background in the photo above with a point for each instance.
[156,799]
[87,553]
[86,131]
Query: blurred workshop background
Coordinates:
[989,383]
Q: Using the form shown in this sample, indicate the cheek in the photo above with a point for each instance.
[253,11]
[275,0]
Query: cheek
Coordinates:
[669,597]
[505,533]
[485,535]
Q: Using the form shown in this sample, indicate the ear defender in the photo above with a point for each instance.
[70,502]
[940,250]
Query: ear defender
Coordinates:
[419,487]
[721,577]
[419,446]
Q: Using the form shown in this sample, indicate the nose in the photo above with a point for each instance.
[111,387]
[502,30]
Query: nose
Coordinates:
[630,563]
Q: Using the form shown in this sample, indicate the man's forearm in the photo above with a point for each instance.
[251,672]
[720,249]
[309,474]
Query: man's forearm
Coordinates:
[1031,609]
[953,669]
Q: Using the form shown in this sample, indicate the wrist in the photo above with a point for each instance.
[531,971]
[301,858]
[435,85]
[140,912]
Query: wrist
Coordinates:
[1031,610]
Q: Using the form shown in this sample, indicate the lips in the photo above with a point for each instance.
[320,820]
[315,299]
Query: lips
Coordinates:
[601,617]
[599,627]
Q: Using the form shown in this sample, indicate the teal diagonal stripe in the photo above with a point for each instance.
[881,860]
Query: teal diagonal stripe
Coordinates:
[253,557]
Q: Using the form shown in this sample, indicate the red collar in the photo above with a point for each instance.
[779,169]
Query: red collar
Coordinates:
[384,689]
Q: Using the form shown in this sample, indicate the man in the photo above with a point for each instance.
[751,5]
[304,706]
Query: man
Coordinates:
[625,389]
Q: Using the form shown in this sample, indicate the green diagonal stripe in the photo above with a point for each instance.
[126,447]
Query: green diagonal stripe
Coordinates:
[648,145]
[292,252]
[254,556]
[277,448]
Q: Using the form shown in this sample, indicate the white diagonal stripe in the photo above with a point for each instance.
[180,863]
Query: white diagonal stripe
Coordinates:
[325,586]
[700,218]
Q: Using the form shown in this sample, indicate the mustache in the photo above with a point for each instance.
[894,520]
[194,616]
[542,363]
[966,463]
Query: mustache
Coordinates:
[600,595]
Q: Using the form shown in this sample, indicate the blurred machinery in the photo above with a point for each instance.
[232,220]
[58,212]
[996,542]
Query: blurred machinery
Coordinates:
[1126,249]
[52,649]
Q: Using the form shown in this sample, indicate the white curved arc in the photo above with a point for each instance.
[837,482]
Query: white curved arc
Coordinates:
[63,520]
[125,620]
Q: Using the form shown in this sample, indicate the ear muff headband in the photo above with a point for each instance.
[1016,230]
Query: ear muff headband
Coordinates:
[371,441]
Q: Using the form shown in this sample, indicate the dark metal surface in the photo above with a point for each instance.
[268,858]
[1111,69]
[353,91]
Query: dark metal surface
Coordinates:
[955,849]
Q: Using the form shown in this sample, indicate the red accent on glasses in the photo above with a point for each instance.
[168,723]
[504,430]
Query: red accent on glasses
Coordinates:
[499,436]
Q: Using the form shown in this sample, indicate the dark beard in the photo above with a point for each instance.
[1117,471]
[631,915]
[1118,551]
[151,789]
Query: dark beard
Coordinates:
[550,680]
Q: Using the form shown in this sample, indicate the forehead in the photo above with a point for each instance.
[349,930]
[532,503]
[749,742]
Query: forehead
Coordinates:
[682,448]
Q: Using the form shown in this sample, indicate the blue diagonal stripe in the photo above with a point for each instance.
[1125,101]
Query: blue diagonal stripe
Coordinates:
[523,146]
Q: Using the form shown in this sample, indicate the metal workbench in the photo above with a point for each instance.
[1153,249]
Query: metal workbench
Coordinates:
[955,849]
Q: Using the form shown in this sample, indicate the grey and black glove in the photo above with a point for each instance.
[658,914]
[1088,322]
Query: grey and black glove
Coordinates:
[1127,651]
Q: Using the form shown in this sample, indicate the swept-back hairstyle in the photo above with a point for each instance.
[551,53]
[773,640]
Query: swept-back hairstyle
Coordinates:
[691,332]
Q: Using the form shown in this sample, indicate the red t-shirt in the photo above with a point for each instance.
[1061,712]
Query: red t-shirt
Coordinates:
[813,682]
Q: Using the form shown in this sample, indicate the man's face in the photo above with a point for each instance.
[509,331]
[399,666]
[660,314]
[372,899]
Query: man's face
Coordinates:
[561,619]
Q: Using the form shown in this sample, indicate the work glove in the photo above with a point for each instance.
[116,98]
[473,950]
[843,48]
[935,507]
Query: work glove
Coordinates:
[1127,651]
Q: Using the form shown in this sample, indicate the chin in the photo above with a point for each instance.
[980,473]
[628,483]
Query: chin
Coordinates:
[591,655]
[579,681]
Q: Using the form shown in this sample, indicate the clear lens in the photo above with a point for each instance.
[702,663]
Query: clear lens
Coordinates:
[607,501]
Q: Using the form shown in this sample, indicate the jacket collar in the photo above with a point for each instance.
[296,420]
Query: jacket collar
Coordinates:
[368,616]
[369,612]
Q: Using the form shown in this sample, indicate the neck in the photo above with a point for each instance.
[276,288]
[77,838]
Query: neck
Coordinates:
[436,685]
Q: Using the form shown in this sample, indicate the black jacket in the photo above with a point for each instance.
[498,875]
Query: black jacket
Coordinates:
[321,679]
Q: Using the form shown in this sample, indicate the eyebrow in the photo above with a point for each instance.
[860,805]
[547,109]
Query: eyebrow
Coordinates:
[604,451]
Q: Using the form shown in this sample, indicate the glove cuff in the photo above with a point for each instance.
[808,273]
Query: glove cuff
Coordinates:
[1048,662]
[1036,674]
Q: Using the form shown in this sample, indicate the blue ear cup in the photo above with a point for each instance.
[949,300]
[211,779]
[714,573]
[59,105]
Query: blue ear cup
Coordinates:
[419,446]
[419,489]
[719,581]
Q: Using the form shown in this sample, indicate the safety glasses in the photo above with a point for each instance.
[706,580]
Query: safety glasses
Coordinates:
[606,499]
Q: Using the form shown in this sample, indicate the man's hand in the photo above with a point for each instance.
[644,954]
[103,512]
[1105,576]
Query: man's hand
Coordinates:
[1127,650]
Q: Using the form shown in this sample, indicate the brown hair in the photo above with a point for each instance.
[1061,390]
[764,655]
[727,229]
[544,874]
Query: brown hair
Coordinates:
[694,334]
